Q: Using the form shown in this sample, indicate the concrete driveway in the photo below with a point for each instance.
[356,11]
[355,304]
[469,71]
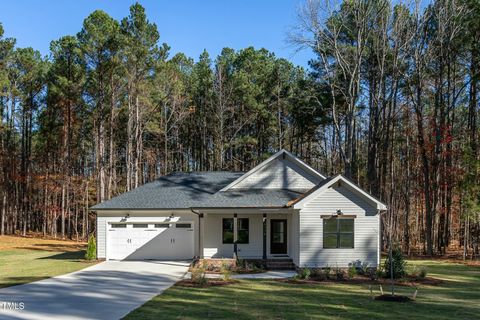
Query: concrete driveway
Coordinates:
[108,290]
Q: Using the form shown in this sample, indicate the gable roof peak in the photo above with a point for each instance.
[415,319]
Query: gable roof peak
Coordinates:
[324,185]
[284,153]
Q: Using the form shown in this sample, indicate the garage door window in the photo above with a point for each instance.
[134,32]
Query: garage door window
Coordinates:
[118,225]
[140,225]
[183,225]
[162,225]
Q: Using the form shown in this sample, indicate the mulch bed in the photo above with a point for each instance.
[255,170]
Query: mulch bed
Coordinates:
[210,283]
[395,298]
[366,281]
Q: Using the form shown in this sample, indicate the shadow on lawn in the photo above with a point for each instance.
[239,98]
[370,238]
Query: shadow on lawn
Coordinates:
[75,256]
[54,247]
[14,281]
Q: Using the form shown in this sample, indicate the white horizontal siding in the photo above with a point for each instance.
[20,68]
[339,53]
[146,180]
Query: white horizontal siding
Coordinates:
[279,174]
[101,237]
[366,229]
[215,248]
[213,242]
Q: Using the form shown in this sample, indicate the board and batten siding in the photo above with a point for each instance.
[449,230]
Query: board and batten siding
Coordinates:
[279,174]
[366,229]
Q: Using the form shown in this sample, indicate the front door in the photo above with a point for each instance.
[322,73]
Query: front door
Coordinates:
[278,236]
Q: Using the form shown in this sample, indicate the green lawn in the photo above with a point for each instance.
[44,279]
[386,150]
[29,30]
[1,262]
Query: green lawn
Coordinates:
[25,260]
[456,298]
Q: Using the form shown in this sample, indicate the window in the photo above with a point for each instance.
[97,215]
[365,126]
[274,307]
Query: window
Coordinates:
[183,225]
[338,233]
[162,225]
[227,230]
[119,225]
[140,225]
[242,230]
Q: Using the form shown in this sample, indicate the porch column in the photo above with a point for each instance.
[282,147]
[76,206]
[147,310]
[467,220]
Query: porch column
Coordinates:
[201,227]
[264,236]
[235,235]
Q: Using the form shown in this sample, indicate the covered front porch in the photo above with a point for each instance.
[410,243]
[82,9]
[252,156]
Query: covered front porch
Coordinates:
[249,234]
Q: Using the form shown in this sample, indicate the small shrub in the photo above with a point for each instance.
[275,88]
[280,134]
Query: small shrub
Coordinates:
[365,268]
[91,253]
[241,264]
[198,276]
[226,272]
[304,273]
[317,273]
[378,273]
[423,273]
[339,273]
[352,271]
[258,265]
[398,264]
[372,274]
[327,271]
[210,267]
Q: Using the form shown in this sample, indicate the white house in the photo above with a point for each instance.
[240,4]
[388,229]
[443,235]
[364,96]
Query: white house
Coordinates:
[281,209]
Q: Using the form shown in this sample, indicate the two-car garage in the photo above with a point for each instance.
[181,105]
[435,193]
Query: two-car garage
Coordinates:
[149,240]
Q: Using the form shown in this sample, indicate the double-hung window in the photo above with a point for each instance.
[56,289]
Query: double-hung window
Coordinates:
[228,230]
[338,233]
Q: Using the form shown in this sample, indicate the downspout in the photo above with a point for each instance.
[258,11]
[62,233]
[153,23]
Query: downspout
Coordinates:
[200,216]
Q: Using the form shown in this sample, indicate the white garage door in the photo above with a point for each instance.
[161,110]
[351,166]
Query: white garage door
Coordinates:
[156,241]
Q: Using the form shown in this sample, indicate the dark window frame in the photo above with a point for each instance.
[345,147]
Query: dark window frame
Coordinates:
[140,225]
[118,225]
[339,233]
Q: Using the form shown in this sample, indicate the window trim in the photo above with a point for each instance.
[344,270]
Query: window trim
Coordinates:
[117,225]
[338,233]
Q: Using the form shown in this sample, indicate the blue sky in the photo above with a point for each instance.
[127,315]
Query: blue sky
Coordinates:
[187,26]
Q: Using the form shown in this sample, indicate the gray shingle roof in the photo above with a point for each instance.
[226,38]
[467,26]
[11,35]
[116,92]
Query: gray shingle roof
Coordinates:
[197,190]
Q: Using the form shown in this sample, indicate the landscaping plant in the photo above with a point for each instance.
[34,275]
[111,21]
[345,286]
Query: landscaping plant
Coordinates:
[198,276]
[91,253]
[226,272]
[395,264]
[352,271]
